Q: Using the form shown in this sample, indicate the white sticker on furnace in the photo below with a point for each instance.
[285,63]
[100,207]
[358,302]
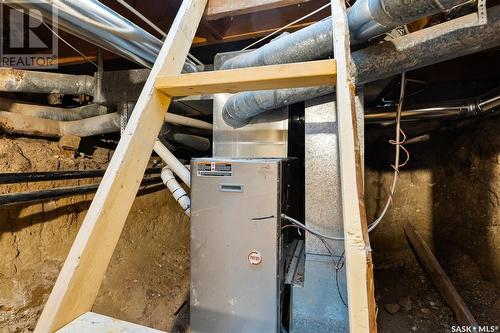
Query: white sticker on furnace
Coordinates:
[255,258]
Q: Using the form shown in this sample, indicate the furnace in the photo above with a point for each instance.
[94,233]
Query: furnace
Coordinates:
[238,251]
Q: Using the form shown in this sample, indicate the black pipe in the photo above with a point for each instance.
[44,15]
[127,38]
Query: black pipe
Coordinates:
[61,192]
[28,177]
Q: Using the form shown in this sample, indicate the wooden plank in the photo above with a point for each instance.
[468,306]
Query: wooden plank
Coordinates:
[304,74]
[252,26]
[439,277]
[359,267]
[81,276]
[217,9]
[91,322]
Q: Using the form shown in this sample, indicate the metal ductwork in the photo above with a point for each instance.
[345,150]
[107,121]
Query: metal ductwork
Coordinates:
[95,23]
[445,110]
[367,19]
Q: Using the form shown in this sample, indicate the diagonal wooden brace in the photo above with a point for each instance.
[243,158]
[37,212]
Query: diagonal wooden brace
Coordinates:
[79,281]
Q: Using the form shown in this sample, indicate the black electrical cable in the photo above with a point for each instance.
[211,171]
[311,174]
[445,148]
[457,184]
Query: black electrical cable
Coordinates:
[338,265]
[61,192]
[341,260]
[28,177]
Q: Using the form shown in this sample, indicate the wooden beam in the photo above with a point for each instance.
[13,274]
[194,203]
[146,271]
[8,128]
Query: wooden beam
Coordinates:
[211,29]
[252,26]
[439,277]
[78,283]
[217,9]
[359,267]
[304,74]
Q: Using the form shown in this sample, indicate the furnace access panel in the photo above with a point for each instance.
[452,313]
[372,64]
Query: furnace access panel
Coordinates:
[235,245]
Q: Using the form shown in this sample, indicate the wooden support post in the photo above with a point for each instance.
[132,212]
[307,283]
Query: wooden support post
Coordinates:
[439,277]
[78,283]
[359,266]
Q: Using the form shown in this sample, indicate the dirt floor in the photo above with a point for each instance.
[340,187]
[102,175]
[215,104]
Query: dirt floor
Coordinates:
[449,192]
[409,302]
[148,278]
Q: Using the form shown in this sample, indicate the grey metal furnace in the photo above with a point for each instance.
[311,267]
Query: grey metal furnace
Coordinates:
[238,253]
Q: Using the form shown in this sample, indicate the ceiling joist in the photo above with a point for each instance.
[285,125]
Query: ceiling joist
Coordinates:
[217,9]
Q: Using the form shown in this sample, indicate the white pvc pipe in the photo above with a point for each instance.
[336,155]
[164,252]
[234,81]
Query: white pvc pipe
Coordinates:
[186,121]
[173,163]
[176,189]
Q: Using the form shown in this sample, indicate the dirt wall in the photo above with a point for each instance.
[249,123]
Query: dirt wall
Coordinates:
[449,191]
[148,278]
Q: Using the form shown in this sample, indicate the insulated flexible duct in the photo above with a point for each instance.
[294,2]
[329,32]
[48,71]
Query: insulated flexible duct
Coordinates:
[85,111]
[194,142]
[16,80]
[92,21]
[51,112]
[21,123]
[366,19]
[439,43]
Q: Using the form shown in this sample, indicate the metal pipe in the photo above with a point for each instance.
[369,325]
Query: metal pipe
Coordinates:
[61,192]
[15,80]
[445,41]
[386,115]
[29,177]
[489,103]
[453,109]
